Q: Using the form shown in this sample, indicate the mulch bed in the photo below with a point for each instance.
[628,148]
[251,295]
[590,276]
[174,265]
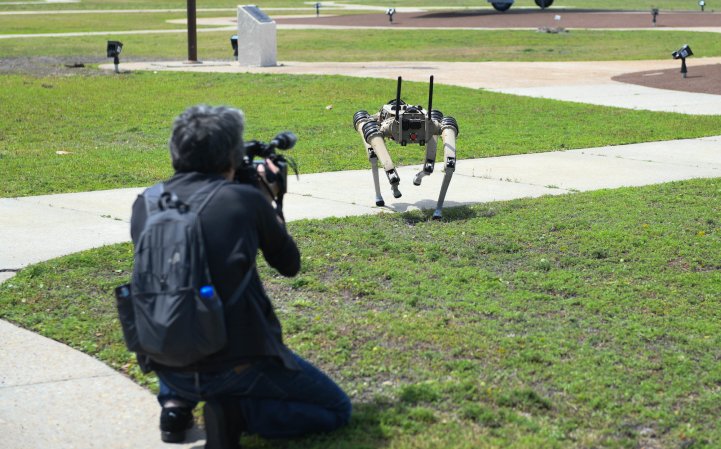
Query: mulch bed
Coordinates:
[699,79]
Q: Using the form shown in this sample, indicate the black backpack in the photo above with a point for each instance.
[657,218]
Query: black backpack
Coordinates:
[170,312]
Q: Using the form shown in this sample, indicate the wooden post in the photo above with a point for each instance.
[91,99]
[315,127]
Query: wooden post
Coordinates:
[192,33]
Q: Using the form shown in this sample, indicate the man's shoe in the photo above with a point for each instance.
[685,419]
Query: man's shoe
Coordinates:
[223,425]
[174,421]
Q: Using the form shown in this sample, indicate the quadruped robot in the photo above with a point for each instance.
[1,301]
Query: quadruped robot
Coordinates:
[407,124]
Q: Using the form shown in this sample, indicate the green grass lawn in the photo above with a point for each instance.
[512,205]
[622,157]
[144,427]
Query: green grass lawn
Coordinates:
[501,45]
[585,320]
[77,23]
[359,45]
[115,129]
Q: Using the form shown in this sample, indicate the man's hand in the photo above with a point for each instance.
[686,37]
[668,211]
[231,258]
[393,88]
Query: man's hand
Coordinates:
[267,173]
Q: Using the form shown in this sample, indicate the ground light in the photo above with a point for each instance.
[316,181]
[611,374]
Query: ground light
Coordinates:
[683,53]
[114,49]
[234,44]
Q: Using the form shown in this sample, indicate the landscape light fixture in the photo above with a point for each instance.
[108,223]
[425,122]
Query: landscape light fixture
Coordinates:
[654,13]
[390,12]
[317,9]
[701,3]
[114,49]
[234,44]
[683,53]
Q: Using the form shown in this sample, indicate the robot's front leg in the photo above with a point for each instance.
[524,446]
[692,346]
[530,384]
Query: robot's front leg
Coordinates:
[370,130]
[449,131]
[373,158]
[379,147]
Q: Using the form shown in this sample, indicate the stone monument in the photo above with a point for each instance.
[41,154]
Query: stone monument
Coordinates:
[256,37]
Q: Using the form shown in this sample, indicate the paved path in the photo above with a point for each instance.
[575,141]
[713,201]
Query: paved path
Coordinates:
[55,397]
[584,82]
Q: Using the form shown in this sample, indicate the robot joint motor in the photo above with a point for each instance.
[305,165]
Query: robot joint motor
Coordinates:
[428,166]
[393,177]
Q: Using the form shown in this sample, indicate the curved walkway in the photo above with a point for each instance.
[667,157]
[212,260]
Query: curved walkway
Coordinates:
[54,397]
[583,82]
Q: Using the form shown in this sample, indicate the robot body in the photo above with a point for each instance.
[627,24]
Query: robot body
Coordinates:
[408,125]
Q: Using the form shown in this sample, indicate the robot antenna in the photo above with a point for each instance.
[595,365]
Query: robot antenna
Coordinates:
[398,99]
[430,98]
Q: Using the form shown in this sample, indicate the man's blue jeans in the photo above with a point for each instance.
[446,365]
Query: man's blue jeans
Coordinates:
[276,402]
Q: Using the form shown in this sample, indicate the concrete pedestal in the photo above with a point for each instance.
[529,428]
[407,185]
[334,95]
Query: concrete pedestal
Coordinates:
[256,37]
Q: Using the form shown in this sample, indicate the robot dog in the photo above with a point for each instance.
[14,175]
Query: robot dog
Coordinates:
[407,124]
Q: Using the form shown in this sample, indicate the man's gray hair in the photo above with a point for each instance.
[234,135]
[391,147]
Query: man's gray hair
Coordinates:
[207,139]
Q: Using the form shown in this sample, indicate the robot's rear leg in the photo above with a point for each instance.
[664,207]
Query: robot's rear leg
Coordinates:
[376,181]
[450,168]
[449,131]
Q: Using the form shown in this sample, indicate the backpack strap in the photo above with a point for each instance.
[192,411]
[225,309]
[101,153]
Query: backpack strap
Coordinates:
[241,287]
[249,274]
[152,196]
[213,190]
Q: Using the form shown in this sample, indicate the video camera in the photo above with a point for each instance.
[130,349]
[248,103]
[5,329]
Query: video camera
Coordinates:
[247,170]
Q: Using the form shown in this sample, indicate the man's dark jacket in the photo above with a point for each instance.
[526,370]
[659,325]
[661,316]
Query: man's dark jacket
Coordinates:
[237,222]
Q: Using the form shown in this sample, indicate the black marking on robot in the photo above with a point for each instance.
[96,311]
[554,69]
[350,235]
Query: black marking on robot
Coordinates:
[428,167]
[393,176]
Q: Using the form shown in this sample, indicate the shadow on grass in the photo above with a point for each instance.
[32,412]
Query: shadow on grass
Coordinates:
[450,214]
[364,432]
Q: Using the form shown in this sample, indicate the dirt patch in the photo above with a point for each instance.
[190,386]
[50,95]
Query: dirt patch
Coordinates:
[520,18]
[699,79]
[42,66]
